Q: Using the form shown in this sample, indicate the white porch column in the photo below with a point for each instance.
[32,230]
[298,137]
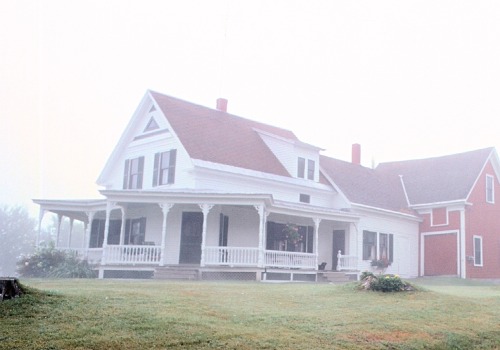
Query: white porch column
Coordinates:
[122,228]
[261,209]
[59,220]
[165,208]
[71,223]
[88,230]
[109,207]
[41,214]
[316,235]
[205,208]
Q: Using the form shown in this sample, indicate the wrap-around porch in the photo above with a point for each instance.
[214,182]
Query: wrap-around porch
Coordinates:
[229,232]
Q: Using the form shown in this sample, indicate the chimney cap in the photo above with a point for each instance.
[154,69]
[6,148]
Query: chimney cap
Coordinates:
[356,153]
[221,104]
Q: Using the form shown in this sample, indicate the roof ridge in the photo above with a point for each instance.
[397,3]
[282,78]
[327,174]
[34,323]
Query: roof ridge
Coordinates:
[436,157]
[221,113]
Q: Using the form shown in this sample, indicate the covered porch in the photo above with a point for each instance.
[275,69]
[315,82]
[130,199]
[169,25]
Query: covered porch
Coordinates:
[137,230]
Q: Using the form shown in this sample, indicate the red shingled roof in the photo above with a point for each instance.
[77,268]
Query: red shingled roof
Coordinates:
[366,186]
[220,137]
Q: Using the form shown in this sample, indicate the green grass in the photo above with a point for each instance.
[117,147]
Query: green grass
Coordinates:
[114,314]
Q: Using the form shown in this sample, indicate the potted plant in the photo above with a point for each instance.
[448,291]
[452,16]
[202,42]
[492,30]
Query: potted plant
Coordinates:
[380,263]
[292,235]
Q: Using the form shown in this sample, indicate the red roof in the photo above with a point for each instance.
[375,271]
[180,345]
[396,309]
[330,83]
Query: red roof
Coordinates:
[219,137]
[366,186]
[439,179]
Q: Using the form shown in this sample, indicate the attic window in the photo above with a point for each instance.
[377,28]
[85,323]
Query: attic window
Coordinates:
[152,109]
[304,198]
[152,125]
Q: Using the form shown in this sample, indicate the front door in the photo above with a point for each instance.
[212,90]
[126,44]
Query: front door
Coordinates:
[338,244]
[191,232]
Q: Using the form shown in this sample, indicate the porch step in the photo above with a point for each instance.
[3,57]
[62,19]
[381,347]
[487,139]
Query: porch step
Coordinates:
[176,273]
[332,277]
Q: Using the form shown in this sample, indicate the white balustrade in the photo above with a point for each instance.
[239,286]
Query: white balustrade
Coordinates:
[133,254]
[275,258]
[346,262]
[231,256]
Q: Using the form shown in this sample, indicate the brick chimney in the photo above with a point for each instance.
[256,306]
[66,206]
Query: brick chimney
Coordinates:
[356,153]
[222,104]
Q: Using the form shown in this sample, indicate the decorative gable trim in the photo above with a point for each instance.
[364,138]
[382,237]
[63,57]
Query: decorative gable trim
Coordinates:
[152,125]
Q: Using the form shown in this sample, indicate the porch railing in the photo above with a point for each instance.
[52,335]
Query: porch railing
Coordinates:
[132,254]
[232,256]
[275,258]
[346,262]
[93,255]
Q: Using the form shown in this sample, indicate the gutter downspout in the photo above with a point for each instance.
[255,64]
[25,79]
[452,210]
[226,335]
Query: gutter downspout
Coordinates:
[463,272]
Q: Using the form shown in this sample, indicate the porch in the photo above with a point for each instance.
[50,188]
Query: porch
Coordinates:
[146,232]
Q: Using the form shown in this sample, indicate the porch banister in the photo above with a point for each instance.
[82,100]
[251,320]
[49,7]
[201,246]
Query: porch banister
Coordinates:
[316,235]
[205,208]
[165,208]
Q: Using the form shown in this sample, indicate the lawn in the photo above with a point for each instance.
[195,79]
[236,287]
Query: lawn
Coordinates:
[124,314]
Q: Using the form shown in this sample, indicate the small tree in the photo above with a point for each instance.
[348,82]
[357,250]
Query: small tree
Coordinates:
[17,237]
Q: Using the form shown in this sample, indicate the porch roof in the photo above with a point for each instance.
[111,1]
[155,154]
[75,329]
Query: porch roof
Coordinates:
[72,208]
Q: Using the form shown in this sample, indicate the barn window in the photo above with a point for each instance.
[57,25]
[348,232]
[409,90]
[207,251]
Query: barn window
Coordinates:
[478,251]
[490,189]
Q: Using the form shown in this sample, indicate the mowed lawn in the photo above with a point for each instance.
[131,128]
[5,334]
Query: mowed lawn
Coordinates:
[126,314]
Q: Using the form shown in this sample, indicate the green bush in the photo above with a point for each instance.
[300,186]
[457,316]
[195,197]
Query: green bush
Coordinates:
[47,261]
[383,283]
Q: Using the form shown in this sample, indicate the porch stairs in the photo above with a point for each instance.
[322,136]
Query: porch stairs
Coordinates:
[176,273]
[332,277]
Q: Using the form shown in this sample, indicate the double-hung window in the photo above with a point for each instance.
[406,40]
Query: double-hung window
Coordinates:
[132,175]
[164,168]
[310,169]
[304,172]
[478,251]
[378,246]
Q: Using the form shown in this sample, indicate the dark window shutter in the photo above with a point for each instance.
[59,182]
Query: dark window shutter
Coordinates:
[127,232]
[140,172]
[156,169]
[171,168]
[391,248]
[125,174]
[310,239]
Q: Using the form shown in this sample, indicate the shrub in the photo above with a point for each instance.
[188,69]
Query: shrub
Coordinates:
[383,283]
[47,261]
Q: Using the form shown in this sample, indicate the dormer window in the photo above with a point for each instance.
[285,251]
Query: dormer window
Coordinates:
[490,189]
[301,167]
[302,171]
[310,169]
